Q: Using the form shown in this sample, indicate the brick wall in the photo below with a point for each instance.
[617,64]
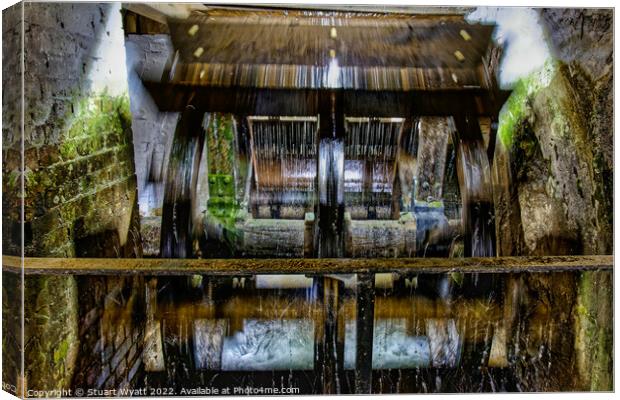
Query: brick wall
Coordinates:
[80,179]
[80,190]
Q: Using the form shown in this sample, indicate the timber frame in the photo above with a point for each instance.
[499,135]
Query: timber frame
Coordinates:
[309,266]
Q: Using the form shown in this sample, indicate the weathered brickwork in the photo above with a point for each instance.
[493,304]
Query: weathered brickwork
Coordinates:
[80,196]
[78,153]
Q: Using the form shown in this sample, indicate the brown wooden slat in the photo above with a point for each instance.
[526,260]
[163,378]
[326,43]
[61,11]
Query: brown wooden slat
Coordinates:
[422,40]
[305,102]
[290,76]
[158,266]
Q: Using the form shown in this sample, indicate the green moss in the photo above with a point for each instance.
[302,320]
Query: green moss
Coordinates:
[220,143]
[60,353]
[51,330]
[97,118]
[457,277]
[594,320]
[516,108]
[12,181]
[222,207]
[436,204]
[221,185]
[99,123]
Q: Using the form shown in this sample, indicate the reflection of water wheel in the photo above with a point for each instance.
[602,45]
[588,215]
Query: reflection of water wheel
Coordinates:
[176,227]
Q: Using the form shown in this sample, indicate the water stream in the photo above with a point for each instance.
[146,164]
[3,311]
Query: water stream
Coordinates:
[431,332]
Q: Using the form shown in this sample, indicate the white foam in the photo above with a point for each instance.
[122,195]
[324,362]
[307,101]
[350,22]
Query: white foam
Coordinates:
[520,32]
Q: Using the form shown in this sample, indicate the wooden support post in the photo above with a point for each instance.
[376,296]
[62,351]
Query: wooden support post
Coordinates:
[396,181]
[153,354]
[348,235]
[367,194]
[365,328]
[396,195]
[309,235]
[492,140]
[329,340]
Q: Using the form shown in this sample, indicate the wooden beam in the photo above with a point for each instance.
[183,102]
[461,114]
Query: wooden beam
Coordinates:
[147,11]
[160,266]
[329,335]
[304,39]
[365,294]
[305,102]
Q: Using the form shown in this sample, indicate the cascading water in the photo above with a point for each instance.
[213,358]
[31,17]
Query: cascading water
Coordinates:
[176,228]
[477,199]
[279,150]
[328,178]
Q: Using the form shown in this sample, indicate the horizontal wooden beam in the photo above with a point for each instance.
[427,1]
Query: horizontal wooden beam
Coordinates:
[307,38]
[301,76]
[305,102]
[309,266]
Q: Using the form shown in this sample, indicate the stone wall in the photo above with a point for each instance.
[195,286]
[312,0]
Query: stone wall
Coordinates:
[12,335]
[553,180]
[556,142]
[583,40]
[80,180]
[80,186]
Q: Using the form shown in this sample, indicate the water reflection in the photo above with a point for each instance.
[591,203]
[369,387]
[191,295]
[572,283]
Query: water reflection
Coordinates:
[430,332]
[270,325]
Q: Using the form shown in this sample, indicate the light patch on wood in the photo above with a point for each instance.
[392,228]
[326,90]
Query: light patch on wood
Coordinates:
[208,341]
[498,357]
[153,356]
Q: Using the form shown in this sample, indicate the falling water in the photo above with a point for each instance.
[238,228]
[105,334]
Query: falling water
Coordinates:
[176,230]
[474,175]
[431,333]
[284,150]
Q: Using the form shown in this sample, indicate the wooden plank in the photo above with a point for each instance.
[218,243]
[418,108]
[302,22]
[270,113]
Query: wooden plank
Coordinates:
[209,342]
[161,266]
[366,40]
[153,355]
[147,11]
[304,102]
[298,76]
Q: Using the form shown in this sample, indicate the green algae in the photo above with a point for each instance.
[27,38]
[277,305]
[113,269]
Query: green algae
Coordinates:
[223,206]
[516,108]
[594,326]
[99,121]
